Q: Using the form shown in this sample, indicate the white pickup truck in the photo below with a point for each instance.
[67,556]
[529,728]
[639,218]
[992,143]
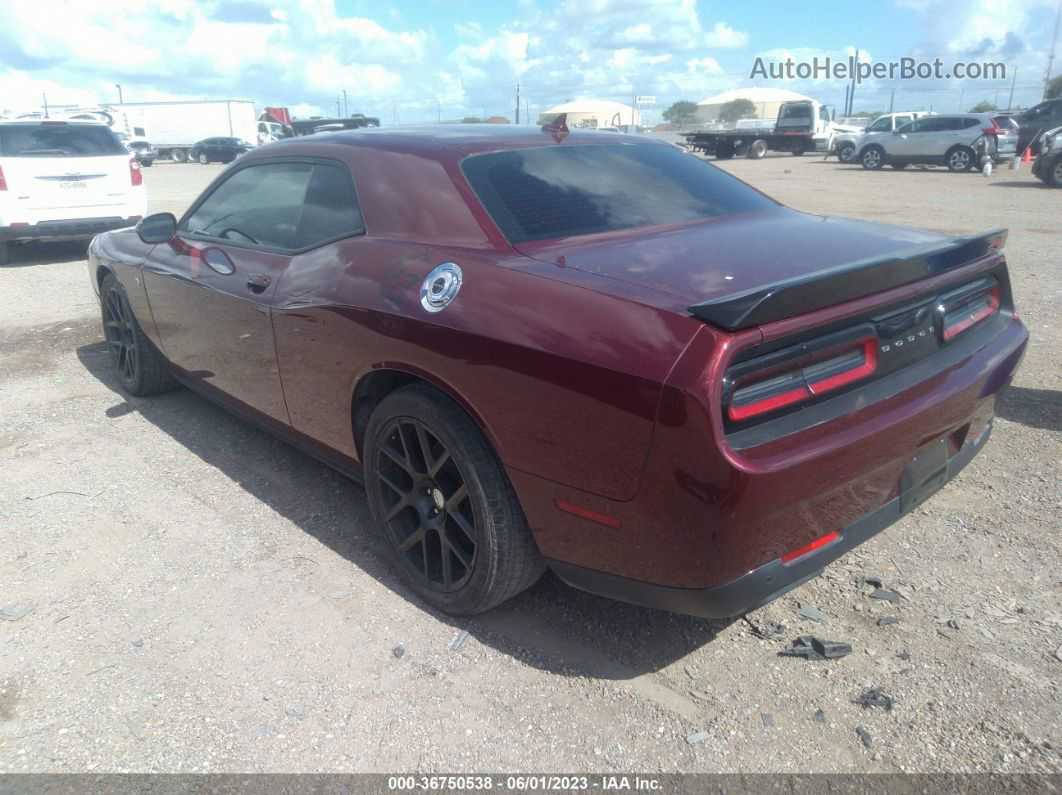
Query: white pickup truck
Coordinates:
[845,145]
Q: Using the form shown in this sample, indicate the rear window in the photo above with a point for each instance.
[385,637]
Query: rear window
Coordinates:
[1006,122]
[58,140]
[584,189]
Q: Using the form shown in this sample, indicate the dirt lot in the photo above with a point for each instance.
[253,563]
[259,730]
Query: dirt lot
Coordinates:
[205,598]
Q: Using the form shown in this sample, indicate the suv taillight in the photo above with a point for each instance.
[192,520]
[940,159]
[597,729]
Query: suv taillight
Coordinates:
[968,307]
[136,177]
[765,384]
[3,182]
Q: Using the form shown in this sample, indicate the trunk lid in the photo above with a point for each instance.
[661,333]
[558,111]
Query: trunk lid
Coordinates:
[725,258]
[68,182]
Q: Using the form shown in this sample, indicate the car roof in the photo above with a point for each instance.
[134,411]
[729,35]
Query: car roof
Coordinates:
[464,138]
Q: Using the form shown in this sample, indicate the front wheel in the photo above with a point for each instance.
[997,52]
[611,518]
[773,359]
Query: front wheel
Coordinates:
[872,158]
[959,159]
[204,160]
[846,153]
[1053,173]
[450,520]
[757,149]
[178,155]
[139,366]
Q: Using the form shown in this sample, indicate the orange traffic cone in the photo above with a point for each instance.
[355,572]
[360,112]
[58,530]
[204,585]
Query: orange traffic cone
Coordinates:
[1027,157]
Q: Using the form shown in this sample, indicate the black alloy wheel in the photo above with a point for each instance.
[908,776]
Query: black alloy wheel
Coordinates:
[429,516]
[118,331]
[447,515]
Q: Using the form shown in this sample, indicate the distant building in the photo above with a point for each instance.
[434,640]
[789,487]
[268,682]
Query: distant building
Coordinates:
[593,113]
[766,100]
[497,120]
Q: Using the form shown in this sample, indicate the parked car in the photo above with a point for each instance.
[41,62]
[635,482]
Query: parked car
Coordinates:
[140,149]
[845,145]
[219,150]
[1035,120]
[959,142]
[1048,165]
[64,181]
[544,349]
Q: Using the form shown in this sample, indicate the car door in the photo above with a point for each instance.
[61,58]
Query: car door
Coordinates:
[909,139]
[211,288]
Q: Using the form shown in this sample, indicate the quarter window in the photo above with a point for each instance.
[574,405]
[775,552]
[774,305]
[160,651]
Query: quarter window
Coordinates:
[330,210]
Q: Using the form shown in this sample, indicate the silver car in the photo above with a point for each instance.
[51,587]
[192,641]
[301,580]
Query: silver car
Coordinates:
[960,142]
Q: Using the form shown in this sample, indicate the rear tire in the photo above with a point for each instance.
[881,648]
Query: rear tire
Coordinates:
[846,153]
[872,158]
[960,158]
[757,149]
[138,365]
[178,155]
[447,514]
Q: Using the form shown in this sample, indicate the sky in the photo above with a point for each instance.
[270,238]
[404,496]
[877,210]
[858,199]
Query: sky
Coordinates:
[410,61]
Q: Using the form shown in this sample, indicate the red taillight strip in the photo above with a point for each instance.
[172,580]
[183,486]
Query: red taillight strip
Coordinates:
[586,513]
[810,389]
[818,543]
[950,332]
[869,365]
[136,177]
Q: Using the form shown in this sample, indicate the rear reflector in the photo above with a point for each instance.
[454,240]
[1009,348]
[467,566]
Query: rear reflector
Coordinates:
[586,513]
[968,311]
[818,543]
[755,395]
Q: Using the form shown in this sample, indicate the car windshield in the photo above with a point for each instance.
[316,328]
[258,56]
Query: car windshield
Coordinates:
[561,191]
[58,140]
[879,125]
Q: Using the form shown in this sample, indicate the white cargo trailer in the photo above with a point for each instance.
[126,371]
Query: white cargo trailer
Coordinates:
[173,127]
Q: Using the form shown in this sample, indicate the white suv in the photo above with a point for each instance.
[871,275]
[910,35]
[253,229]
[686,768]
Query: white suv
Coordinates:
[65,181]
[960,142]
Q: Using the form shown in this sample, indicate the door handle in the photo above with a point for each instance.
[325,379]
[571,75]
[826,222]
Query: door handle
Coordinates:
[258,281]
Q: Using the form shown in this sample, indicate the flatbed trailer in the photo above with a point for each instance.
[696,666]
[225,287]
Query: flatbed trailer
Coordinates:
[724,144]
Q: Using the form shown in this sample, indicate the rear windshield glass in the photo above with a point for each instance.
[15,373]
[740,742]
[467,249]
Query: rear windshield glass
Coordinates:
[58,140]
[583,189]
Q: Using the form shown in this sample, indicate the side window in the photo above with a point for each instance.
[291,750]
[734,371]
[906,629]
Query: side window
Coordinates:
[331,209]
[919,125]
[902,120]
[970,122]
[258,205]
[881,124]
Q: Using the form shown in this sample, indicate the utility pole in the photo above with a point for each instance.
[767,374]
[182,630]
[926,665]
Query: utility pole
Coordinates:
[45,97]
[345,113]
[527,111]
[438,111]
[962,91]
[851,96]
[1051,56]
[517,103]
[337,106]
[1013,80]
[119,87]
[892,100]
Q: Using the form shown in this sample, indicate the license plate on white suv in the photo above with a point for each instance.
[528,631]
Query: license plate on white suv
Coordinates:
[73,184]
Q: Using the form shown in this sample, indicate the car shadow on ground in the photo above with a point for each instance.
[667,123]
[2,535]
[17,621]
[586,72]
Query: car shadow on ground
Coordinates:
[1028,184]
[26,255]
[550,626]
[1036,408]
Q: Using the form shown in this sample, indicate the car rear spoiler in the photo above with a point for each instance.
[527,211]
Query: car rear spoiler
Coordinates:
[844,283]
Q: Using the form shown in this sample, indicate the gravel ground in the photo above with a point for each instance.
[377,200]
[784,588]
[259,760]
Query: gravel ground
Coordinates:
[205,598]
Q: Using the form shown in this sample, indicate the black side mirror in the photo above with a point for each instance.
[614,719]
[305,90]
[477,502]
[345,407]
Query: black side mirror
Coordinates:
[157,228]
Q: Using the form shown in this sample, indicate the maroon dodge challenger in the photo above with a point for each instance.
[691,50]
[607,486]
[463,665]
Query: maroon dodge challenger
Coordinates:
[551,349]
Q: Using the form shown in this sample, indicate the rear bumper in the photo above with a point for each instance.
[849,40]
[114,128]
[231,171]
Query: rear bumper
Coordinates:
[769,581]
[68,229]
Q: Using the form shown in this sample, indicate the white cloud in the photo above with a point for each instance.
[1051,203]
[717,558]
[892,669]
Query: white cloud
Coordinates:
[722,35]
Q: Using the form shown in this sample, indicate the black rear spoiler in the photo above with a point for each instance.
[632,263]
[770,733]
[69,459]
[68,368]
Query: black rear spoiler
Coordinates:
[844,283]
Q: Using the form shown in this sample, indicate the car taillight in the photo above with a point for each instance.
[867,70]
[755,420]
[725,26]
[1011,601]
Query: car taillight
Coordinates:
[136,177]
[3,182]
[968,309]
[808,375]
